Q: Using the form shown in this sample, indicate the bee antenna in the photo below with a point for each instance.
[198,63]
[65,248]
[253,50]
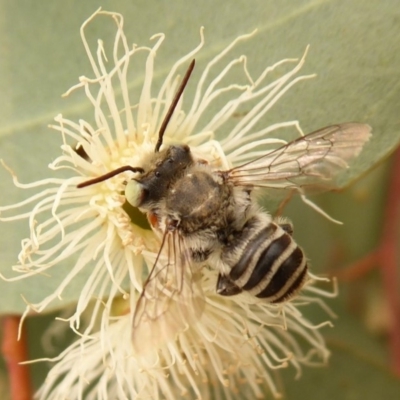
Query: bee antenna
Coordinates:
[173,106]
[109,175]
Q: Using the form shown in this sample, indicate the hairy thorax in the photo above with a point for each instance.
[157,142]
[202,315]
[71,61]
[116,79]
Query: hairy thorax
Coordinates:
[200,200]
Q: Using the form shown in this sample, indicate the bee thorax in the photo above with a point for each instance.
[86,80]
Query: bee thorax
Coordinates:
[199,201]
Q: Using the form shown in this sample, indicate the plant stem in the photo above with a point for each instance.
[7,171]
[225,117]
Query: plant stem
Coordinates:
[390,262]
[14,352]
[386,256]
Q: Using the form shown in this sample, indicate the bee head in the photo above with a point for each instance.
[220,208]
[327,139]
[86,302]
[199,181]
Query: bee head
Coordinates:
[151,186]
[140,191]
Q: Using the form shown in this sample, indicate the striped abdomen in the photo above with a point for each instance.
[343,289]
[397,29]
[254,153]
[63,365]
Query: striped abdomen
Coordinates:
[269,264]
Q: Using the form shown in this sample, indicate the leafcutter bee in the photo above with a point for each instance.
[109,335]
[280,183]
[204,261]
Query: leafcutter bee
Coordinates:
[206,216]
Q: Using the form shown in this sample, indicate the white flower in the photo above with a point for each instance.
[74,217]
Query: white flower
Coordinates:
[237,341]
[232,351]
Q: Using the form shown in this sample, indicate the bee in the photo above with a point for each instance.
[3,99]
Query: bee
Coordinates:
[206,216]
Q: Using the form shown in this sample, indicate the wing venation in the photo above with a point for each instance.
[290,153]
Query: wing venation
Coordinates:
[310,160]
[171,299]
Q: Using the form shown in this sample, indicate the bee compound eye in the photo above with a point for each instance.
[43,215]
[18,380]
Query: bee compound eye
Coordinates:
[135,193]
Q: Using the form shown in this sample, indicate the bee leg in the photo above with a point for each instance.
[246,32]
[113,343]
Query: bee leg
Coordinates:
[288,228]
[225,287]
[285,224]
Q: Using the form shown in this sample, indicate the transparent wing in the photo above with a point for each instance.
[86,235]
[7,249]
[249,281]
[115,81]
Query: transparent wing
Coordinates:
[310,160]
[171,298]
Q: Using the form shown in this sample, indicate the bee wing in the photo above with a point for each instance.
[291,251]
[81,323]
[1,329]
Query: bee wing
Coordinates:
[171,299]
[307,161]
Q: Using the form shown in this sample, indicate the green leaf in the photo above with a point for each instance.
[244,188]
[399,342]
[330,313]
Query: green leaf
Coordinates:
[42,56]
[356,370]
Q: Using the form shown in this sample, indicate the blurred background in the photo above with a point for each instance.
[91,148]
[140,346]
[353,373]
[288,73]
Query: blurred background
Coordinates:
[355,51]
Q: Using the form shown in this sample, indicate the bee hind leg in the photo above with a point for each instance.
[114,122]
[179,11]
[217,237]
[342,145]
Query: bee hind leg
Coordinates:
[285,224]
[226,287]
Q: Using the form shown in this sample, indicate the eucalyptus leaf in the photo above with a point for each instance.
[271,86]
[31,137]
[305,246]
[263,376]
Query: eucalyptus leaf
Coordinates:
[353,49]
[356,370]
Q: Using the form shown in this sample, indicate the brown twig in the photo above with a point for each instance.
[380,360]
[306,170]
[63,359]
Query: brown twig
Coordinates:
[389,260]
[358,269]
[15,351]
[385,256]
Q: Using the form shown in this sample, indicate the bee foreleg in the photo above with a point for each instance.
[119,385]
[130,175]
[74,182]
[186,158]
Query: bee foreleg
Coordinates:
[226,287]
